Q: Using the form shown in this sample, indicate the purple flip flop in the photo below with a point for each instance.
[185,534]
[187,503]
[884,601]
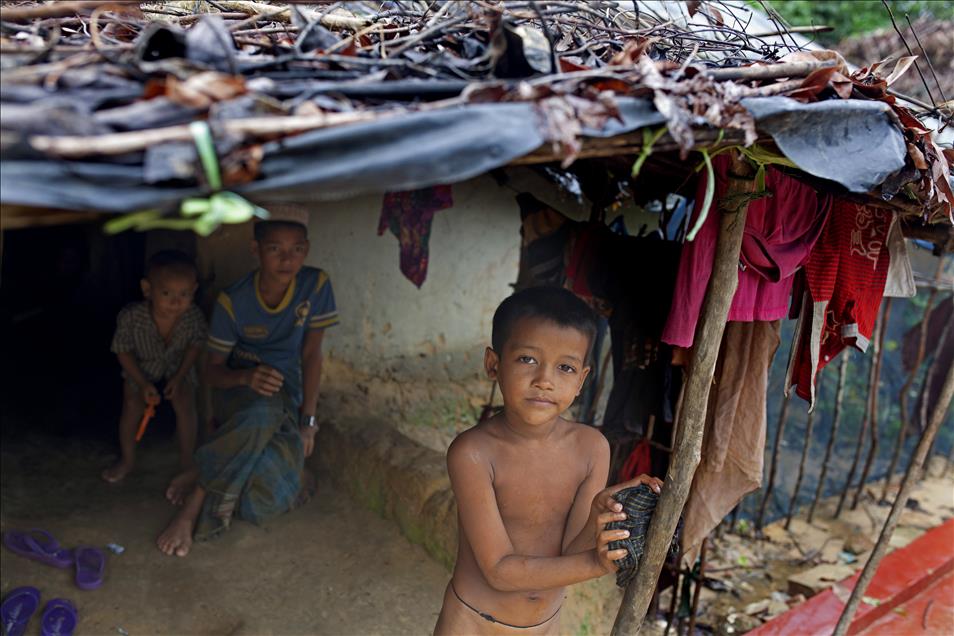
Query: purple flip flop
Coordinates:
[59,618]
[17,608]
[90,567]
[38,545]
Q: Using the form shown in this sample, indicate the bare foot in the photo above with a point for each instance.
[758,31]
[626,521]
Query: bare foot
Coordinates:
[117,473]
[181,485]
[309,488]
[176,539]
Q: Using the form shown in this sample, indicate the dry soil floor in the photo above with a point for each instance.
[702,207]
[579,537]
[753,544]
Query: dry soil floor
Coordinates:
[331,567]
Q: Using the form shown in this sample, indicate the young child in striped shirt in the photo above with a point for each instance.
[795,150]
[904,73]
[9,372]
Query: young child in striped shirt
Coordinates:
[157,341]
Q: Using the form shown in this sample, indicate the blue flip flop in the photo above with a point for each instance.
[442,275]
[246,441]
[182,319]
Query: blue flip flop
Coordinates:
[17,608]
[90,567]
[59,618]
[38,545]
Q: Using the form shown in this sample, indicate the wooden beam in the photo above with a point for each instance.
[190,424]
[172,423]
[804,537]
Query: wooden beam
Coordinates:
[688,447]
[55,9]
[769,71]
[18,217]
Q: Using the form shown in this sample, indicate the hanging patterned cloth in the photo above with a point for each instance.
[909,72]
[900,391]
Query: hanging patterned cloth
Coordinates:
[408,215]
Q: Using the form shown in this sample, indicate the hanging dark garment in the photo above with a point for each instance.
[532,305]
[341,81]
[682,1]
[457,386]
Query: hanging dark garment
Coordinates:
[627,279]
[408,215]
[545,235]
[636,277]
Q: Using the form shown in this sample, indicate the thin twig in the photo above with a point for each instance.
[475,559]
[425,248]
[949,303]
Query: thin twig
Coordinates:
[910,52]
[927,58]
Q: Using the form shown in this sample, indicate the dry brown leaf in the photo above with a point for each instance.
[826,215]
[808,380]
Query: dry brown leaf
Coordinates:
[204,89]
[900,68]
[917,157]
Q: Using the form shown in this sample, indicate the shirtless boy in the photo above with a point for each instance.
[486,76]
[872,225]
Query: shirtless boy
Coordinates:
[530,484]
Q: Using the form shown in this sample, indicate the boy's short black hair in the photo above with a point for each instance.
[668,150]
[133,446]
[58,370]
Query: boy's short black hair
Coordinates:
[554,304]
[262,228]
[172,262]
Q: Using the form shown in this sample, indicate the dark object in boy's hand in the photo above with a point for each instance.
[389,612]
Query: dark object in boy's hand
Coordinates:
[638,503]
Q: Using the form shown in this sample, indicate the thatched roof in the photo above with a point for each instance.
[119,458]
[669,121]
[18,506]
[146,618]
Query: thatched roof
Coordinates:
[337,99]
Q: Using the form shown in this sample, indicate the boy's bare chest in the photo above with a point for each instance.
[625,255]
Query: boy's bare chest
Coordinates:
[537,488]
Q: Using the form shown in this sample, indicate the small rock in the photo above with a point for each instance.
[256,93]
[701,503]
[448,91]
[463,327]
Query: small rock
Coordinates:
[780,597]
[903,535]
[798,599]
[745,623]
[775,533]
[757,607]
[858,542]
[775,608]
[832,549]
[818,578]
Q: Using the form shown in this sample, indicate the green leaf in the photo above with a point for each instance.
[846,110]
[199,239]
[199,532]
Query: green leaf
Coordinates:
[707,199]
[649,140]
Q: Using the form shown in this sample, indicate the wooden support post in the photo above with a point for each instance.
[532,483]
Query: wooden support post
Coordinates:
[773,468]
[878,343]
[809,426]
[907,484]
[688,447]
[839,398]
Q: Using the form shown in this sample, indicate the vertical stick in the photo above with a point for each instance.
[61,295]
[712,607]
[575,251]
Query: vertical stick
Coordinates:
[801,464]
[917,461]
[926,396]
[674,599]
[839,397]
[696,592]
[912,374]
[861,437]
[878,343]
[687,451]
[773,469]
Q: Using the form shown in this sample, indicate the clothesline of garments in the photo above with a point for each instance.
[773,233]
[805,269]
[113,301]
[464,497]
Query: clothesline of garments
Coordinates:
[824,260]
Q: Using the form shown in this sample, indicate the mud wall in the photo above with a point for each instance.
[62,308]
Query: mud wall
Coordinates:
[410,356]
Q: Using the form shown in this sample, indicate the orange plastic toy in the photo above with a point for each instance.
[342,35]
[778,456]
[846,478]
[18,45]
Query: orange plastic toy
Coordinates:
[147,415]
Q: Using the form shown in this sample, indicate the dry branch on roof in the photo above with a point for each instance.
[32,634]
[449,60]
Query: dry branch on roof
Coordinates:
[105,78]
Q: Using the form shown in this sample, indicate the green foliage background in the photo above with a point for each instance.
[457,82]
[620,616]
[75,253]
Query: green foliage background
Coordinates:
[854,17]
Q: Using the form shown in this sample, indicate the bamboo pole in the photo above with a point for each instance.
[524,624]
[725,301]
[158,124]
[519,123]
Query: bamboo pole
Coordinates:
[809,425]
[839,398]
[878,344]
[906,388]
[910,477]
[687,451]
[861,438]
[773,469]
[926,396]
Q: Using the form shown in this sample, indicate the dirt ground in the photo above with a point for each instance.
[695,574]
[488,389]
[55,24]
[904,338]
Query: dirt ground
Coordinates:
[747,578]
[331,567]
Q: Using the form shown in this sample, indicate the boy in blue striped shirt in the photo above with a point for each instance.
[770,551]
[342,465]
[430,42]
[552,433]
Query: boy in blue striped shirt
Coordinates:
[265,361]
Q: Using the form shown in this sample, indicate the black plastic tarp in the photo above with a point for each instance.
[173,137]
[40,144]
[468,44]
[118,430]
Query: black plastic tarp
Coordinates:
[852,143]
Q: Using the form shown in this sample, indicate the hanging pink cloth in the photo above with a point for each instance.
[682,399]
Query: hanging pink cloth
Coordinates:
[780,231]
